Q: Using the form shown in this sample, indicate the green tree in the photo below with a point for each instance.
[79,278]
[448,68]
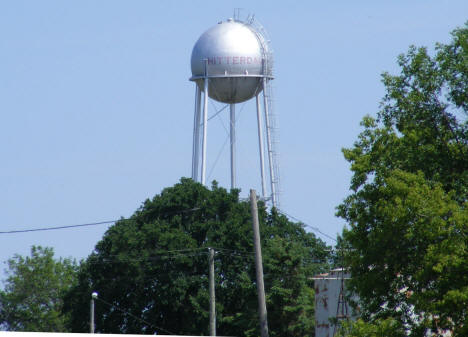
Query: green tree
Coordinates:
[380,328]
[32,298]
[151,270]
[408,211]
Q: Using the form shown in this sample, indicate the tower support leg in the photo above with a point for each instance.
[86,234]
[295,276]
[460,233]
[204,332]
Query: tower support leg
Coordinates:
[233,144]
[205,129]
[196,135]
[260,145]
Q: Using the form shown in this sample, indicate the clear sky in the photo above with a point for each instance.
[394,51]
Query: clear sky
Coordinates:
[96,108]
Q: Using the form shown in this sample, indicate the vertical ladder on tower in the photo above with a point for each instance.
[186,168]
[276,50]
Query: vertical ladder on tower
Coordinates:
[274,136]
[272,126]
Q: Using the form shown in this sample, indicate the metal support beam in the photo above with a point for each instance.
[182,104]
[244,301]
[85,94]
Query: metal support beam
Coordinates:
[260,145]
[233,144]
[205,124]
[196,134]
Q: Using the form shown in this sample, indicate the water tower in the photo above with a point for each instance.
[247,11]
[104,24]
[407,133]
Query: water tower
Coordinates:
[232,63]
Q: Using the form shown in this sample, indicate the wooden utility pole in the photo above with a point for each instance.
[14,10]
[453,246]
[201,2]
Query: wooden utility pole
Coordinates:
[212,296]
[259,266]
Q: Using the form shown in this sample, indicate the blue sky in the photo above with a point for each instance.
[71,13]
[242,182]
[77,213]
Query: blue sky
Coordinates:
[96,108]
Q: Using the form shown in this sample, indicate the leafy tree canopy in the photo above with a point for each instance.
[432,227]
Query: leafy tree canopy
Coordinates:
[32,298]
[408,210]
[380,328]
[151,270]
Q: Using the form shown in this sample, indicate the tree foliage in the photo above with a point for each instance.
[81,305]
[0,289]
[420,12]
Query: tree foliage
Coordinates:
[380,328]
[151,270]
[408,210]
[32,298]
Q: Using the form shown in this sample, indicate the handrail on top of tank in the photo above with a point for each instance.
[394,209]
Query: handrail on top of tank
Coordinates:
[194,78]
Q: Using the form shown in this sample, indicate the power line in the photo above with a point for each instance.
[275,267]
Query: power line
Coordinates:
[109,259]
[57,227]
[42,229]
[135,317]
[115,259]
[173,254]
[316,229]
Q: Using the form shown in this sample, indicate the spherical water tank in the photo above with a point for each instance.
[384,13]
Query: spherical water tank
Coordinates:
[235,56]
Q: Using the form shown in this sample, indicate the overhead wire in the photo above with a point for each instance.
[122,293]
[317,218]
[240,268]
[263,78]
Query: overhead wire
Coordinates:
[57,227]
[116,259]
[125,312]
[134,316]
[167,255]
[17,231]
[172,254]
[316,229]
[41,229]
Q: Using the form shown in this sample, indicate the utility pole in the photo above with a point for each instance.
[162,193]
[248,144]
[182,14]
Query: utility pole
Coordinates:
[212,295]
[259,266]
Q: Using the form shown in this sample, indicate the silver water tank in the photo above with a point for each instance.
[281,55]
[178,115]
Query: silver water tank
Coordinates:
[236,57]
